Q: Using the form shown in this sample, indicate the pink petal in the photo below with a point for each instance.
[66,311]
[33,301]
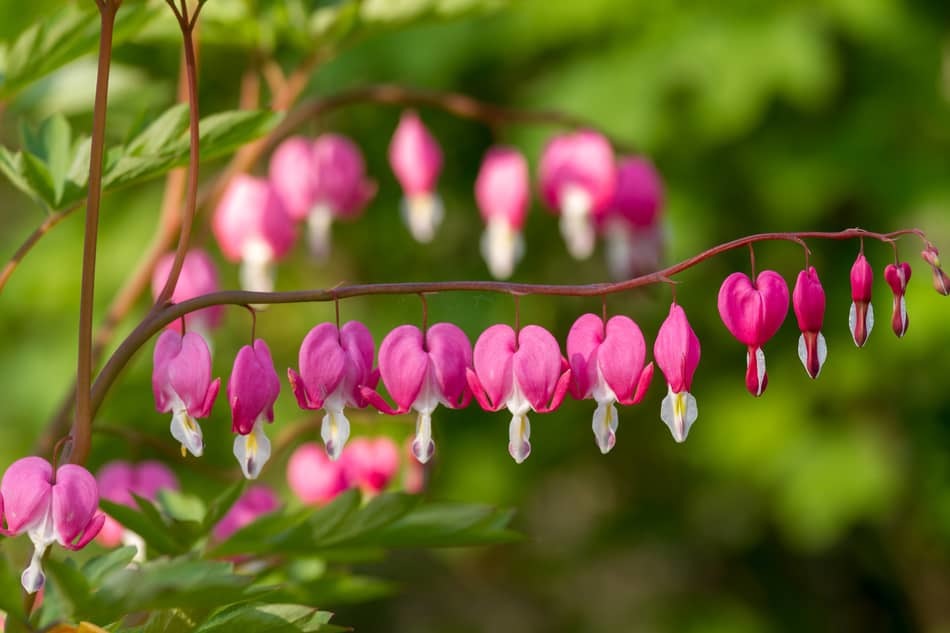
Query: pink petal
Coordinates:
[493,362]
[583,160]
[583,341]
[415,156]
[322,365]
[621,356]
[292,173]
[255,502]
[403,364]
[189,373]
[199,276]
[808,299]
[862,278]
[340,175]
[357,343]
[537,365]
[451,355]
[503,188]
[753,313]
[639,194]
[677,350]
[370,464]
[75,502]
[167,348]
[110,535]
[150,477]
[253,387]
[116,480]
[251,210]
[26,492]
[313,476]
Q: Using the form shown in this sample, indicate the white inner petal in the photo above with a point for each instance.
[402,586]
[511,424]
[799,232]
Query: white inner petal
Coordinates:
[187,431]
[423,447]
[679,411]
[335,431]
[852,323]
[423,215]
[605,426]
[519,432]
[42,534]
[869,321]
[902,307]
[620,249]
[252,450]
[502,248]
[131,538]
[319,222]
[257,266]
[576,223]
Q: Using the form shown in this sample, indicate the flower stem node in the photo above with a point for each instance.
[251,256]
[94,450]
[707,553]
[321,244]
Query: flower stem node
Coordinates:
[677,353]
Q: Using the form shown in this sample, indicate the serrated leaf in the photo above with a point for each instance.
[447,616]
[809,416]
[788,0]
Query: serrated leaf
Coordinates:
[156,137]
[39,179]
[51,143]
[269,618]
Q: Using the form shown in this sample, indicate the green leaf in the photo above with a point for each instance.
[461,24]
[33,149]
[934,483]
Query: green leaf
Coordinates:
[69,584]
[10,593]
[158,135]
[328,519]
[98,568]
[38,179]
[181,507]
[150,526]
[221,504]
[379,512]
[271,618]
[51,144]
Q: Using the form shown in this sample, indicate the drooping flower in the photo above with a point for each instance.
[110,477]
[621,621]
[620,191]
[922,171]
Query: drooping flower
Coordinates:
[861,317]
[940,279]
[607,365]
[578,178]
[631,225]
[523,372]
[677,352]
[252,226]
[897,276]
[256,501]
[118,480]
[753,311]
[808,300]
[49,509]
[199,276]
[503,193]
[421,372]
[416,159]
[320,181]
[182,385]
[334,365]
[370,464]
[252,391]
[314,477]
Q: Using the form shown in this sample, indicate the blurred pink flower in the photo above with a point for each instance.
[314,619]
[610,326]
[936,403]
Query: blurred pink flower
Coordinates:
[416,160]
[314,477]
[118,480]
[199,276]
[256,501]
[370,464]
[503,193]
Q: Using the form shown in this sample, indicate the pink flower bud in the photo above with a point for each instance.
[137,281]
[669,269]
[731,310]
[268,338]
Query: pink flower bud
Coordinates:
[897,277]
[578,178]
[252,391]
[118,480]
[254,503]
[607,366]
[199,276]
[502,191]
[370,464]
[314,477]
[421,373]
[50,510]
[416,159]
[334,365]
[861,317]
[182,385]
[808,300]
[523,372]
[753,313]
[252,227]
[677,352]
[940,279]
[631,225]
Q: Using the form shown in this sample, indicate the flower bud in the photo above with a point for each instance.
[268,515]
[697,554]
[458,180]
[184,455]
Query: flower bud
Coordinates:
[808,300]
[861,317]
[940,279]
[897,276]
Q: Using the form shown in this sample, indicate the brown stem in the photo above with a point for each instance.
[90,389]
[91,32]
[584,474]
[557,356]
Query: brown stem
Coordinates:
[82,425]
[51,220]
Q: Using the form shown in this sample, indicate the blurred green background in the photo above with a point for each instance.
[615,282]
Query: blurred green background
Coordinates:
[823,506]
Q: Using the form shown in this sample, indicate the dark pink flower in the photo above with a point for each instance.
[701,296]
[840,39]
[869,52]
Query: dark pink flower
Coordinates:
[416,159]
[808,300]
[199,276]
[861,317]
[897,277]
[60,509]
[523,372]
[370,464]
[182,385]
[254,503]
[940,279]
[607,366]
[503,193]
[631,225]
[118,480]
[677,352]
[252,391]
[421,373]
[753,313]
[334,365]
[314,477]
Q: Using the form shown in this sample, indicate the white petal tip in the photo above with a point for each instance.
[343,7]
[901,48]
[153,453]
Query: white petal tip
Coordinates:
[422,214]
[423,450]
[520,451]
[679,411]
[252,451]
[335,431]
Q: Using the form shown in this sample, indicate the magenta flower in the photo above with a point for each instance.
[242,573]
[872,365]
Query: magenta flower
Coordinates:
[118,480]
[607,366]
[677,352]
[421,373]
[861,317]
[523,372]
[181,383]
[370,464]
[940,279]
[334,365]
[503,193]
[808,300]
[199,276]
[416,159]
[49,509]
[578,178]
[319,181]
[314,477]
[753,313]
[254,503]
[897,276]
[252,227]
[631,225]
[252,391]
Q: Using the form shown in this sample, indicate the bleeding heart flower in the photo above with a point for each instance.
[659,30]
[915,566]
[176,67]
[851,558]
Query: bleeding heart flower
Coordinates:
[861,318]
[523,372]
[808,300]
[252,391]
[334,365]
[314,477]
[753,313]
[252,227]
[319,181]
[416,159]
[631,225]
[677,352]
[370,464]
[254,503]
[578,178]
[118,480]
[181,383]
[940,279]
[897,277]
[199,276]
[607,365]
[421,373]
[49,509]
[503,193]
